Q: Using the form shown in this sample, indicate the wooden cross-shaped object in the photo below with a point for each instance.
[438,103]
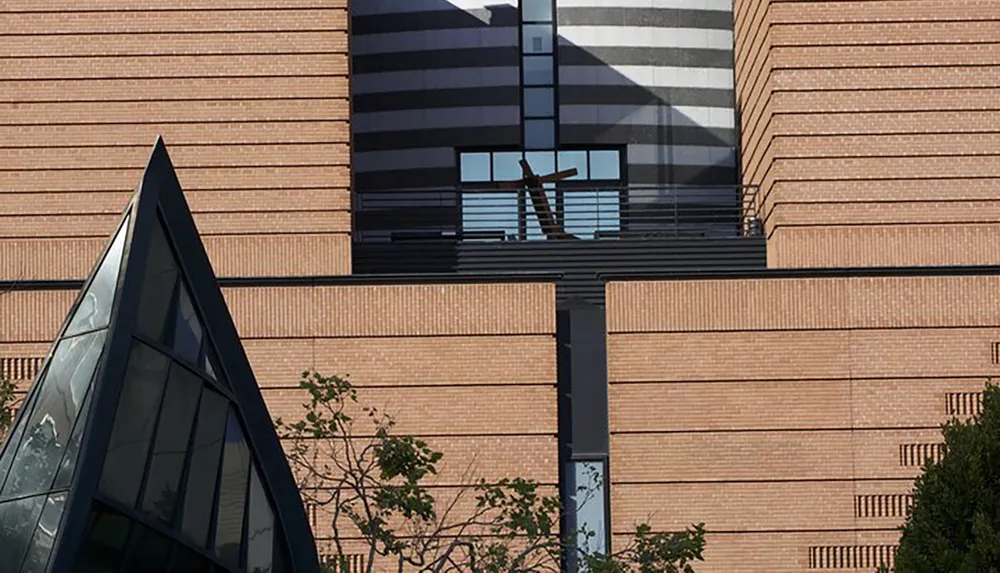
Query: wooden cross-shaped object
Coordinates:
[533,185]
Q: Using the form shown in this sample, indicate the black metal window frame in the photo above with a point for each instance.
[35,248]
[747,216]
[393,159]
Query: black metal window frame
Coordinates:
[559,189]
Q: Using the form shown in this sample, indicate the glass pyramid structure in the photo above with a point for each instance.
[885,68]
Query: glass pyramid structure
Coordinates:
[144,444]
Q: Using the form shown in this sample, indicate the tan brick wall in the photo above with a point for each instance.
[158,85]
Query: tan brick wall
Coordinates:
[471,368]
[871,128]
[251,100]
[771,408]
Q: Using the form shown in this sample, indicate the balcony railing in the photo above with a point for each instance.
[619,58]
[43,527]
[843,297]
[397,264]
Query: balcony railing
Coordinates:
[565,213]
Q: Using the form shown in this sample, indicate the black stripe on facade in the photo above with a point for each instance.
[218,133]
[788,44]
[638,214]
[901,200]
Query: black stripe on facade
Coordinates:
[640,95]
[645,17]
[427,99]
[454,18]
[406,219]
[584,134]
[437,59]
[494,135]
[709,175]
[640,56]
[406,178]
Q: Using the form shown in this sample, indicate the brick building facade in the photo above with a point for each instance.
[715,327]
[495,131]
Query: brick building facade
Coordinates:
[788,407]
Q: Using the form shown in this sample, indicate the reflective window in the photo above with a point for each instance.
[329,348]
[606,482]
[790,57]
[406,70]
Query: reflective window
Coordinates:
[536,38]
[506,166]
[17,524]
[14,439]
[157,287]
[536,10]
[260,533]
[583,210]
[199,496]
[48,524]
[574,159]
[60,397]
[587,516]
[148,551]
[187,328]
[68,465]
[475,167]
[541,162]
[537,70]
[605,164]
[209,361]
[539,134]
[170,446]
[104,548]
[94,309]
[232,492]
[135,419]
[539,102]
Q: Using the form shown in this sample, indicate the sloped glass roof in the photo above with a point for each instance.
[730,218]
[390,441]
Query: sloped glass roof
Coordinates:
[141,447]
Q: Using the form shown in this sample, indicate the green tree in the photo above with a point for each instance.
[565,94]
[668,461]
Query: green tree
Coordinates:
[8,405]
[371,482]
[954,524]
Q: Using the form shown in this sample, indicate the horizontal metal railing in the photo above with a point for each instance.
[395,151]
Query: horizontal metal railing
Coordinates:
[572,213]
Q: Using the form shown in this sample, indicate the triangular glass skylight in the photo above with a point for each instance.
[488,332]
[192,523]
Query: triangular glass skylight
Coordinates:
[141,447]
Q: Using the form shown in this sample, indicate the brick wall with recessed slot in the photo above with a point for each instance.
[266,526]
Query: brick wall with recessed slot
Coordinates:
[471,368]
[251,100]
[789,414]
[872,128]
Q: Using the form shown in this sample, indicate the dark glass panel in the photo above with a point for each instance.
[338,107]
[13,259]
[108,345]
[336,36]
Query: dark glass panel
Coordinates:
[17,524]
[41,544]
[187,328]
[94,309]
[539,134]
[199,492]
[60,397]
[539,102]
[232,493]
[260,533]
[157,287]
[148,551]
[68,465]
[184,560]
[280,557]
[103,550]
[135,420]
[171,444]
[537,70]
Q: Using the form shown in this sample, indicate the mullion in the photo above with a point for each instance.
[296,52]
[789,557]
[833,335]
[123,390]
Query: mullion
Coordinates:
[178,517]
[169,353]
[152,438]
[139,518]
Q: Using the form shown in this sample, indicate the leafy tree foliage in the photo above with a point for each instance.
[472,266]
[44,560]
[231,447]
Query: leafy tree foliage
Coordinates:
[372,483]
[8,405]
[954,525]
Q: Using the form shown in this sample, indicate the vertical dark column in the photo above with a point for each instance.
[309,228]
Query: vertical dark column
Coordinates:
[583,421]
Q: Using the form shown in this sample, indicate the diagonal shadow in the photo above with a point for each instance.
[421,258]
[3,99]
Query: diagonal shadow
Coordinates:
[435,76]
